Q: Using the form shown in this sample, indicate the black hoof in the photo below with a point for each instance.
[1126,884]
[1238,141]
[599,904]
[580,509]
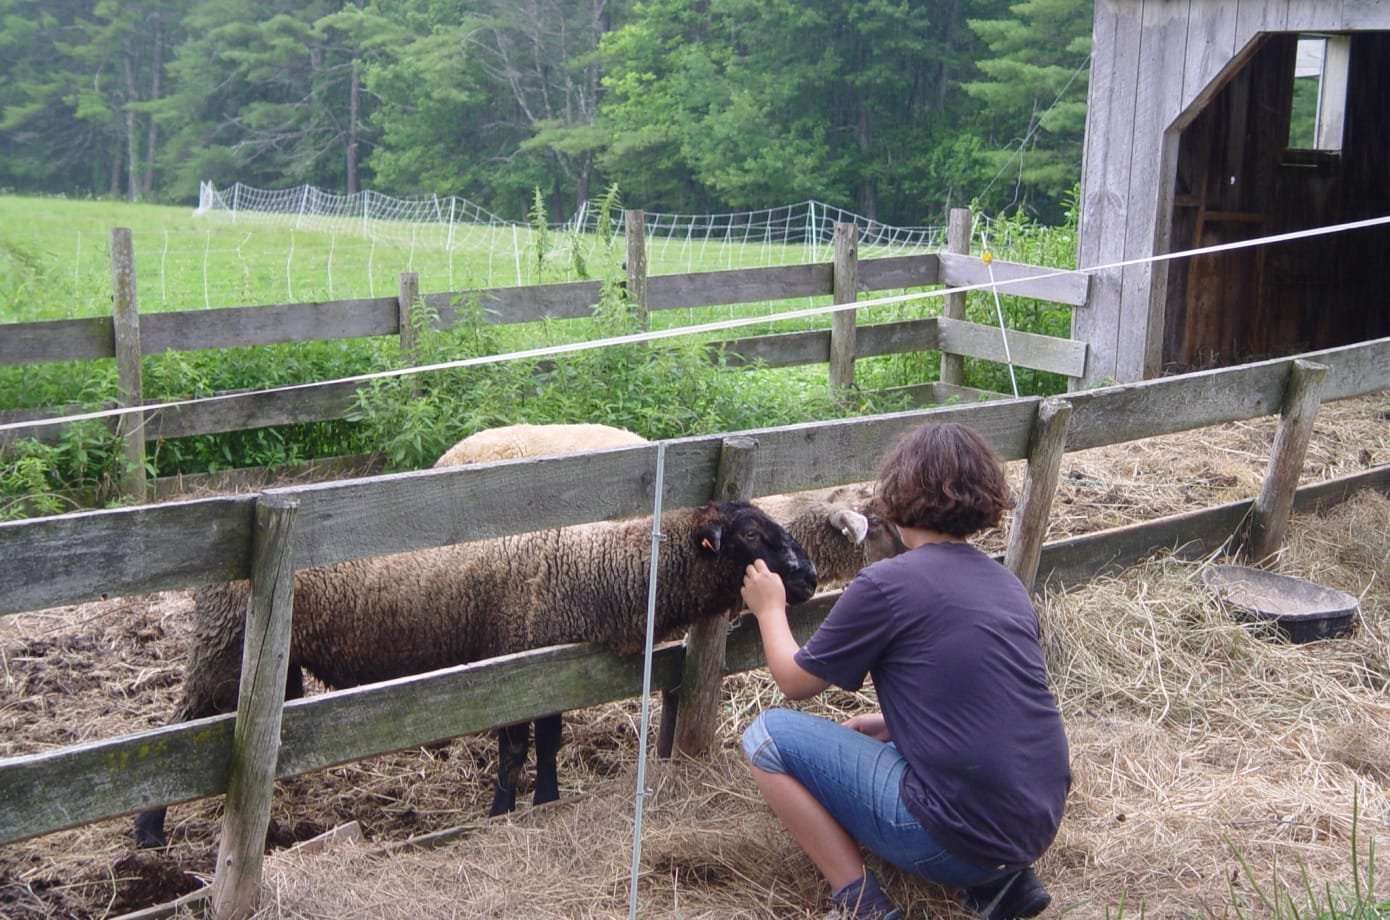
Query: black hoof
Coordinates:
[149,830]
[502,803]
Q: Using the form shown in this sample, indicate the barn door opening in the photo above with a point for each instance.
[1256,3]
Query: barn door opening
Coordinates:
[1292,141]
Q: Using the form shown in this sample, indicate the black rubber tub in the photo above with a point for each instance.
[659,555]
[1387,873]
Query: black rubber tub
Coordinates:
[1303,611]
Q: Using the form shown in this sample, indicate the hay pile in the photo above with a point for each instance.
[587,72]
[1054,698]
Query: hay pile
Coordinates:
[1197,743]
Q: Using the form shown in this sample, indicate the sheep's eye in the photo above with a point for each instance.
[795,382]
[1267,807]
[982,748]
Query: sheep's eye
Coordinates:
[752,536]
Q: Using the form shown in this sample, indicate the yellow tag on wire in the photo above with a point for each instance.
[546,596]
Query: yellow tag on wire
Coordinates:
[986,257]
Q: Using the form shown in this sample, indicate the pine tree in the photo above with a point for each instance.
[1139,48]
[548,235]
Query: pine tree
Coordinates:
[1032,100]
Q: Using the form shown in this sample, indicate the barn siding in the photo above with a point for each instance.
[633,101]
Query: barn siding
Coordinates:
[1155,64]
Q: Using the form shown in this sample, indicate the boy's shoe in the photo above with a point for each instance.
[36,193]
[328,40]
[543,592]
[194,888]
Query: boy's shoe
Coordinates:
[863,899]
[1017,895]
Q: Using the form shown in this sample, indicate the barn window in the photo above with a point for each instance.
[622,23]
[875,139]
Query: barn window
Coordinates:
[1319,92]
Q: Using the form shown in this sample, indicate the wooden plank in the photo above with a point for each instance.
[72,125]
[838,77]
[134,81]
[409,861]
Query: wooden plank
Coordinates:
[787,349]
[1192,536]
[1302,398]
[1028,530]
[56,340]
[83,783]
[960,270]
[1148,209]
[1211,44]
[256,739]
[125,325]
[96,554]
[953,306]
[846,278]
[742,285]
[313,403]
[1314,15]
[407,293]
[1365,15]
[702,670]
[1042,352]
[48,434]
[1113,97]
[405,511]
[635,234]
[899,272]
[76,557]
[566,300]
[1128,412]
[272,324]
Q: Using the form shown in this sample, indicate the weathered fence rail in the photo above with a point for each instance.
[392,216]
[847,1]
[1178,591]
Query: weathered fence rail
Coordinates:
[84,783]
[127,335]
[274,324]
[77,557]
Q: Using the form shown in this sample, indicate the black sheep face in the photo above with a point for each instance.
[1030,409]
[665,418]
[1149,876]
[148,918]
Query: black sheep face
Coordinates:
[740,533]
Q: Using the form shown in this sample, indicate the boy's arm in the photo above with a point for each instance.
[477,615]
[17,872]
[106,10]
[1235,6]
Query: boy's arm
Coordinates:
[766,596]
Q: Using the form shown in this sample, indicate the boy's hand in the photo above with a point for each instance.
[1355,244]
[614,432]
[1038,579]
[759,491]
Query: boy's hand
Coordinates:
[763,590]
[871,724]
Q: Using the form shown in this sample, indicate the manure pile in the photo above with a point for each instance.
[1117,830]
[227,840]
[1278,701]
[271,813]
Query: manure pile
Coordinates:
[1187,732]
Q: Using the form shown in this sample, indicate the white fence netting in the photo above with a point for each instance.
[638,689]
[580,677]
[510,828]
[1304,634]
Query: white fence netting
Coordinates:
[801,232]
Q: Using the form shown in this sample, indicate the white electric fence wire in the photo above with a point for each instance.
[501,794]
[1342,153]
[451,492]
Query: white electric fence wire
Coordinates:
[644,724]
[1003,330]
[988,258]
[1033,129]
[717,326]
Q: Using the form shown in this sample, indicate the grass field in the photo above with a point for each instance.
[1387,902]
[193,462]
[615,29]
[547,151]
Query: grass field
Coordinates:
[54,264]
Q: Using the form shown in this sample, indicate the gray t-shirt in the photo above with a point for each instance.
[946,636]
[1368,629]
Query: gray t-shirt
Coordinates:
[951,640]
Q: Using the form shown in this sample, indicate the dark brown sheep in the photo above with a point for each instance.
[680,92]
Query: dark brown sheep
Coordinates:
[374,619]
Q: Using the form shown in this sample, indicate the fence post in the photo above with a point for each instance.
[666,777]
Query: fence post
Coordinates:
[958,241]
[690,715]
[1270,519]
[1045,448]
[842,324]
[635,229]
[260,704]
[407,293]
[125,322]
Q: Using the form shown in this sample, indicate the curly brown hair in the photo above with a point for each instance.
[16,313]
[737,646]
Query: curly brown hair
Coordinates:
[943,477]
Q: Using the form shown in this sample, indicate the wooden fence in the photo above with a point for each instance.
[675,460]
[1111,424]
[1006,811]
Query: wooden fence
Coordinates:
[128,336]
[83,556]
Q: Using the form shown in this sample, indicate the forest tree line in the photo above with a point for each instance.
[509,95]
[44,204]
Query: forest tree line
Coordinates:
[899,109]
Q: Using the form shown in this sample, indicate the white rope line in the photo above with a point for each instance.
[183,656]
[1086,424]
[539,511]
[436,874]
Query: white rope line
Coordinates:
[987,256]
[641,793]
[999,312]
[716,326]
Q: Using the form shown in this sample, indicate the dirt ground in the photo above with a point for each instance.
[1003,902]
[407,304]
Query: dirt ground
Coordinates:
[90,671]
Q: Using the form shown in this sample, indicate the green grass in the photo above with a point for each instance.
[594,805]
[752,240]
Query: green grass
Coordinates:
[54,265]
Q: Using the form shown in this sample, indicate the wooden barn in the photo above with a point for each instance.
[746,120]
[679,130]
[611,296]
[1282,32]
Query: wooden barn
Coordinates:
[1213,121]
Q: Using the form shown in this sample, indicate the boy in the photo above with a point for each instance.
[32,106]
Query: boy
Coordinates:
[962,777]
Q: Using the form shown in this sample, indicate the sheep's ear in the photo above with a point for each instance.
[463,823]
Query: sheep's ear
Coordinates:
[709,536]
[853,525]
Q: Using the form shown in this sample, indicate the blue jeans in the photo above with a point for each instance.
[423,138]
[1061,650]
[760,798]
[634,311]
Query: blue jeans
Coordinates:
[859,781]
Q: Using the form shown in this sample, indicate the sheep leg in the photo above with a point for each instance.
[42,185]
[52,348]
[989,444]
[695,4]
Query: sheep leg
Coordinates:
[513,743]
[548,737]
